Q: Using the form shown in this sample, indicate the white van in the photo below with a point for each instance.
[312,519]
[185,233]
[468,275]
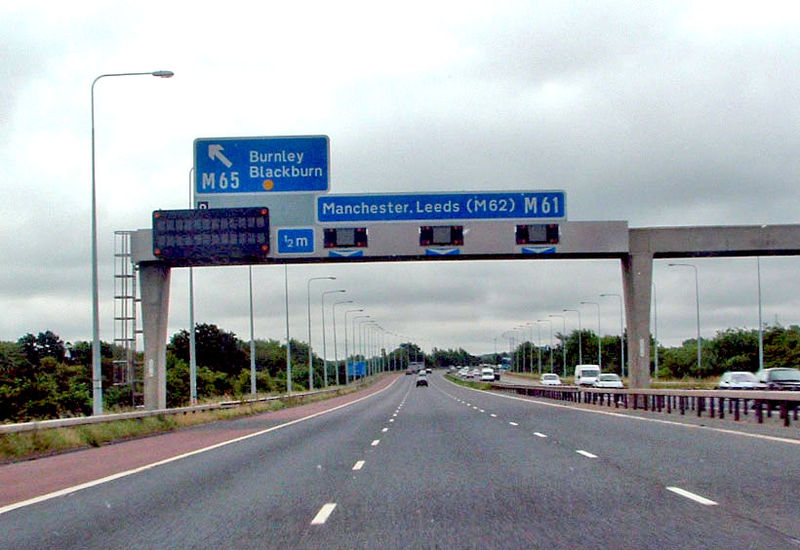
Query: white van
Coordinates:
[586,375]
[487,374]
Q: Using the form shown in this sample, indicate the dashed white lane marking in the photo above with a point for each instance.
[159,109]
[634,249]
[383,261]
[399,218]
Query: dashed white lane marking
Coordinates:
[391,420]
[323,514]
[358,465]
[539,434]
[481,410]
[126,473]
[692,496]
[476,408]
[375,443]
[385,430]
[513,423]
[493,415]
[587,454]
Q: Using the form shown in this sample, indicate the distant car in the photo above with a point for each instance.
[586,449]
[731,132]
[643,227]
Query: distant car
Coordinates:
[550,380]
[497,371]
[780,379]
[428,371]
[608,380]
[463,372]
[410,371]
[422,379]
[487,374]
[740,380]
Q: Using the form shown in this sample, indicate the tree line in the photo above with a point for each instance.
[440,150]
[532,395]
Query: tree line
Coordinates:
[42,377]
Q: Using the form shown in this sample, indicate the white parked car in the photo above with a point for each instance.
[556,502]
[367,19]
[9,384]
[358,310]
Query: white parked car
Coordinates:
[550,380]
[608,380]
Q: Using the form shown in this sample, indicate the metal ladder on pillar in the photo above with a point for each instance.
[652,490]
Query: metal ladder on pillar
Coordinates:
[129,369]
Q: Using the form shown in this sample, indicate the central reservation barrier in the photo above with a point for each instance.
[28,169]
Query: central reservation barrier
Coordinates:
[717,403]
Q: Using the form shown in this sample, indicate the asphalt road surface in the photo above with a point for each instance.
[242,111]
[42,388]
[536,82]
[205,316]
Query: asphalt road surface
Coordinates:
[442,467]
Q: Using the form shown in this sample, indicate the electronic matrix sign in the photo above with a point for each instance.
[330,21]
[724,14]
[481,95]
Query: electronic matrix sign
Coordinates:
[211,237]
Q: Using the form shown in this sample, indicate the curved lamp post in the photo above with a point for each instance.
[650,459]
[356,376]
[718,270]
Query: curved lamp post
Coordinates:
[324,350]
[564,346]
[308,303]
[97,375]
[697,306]
[599,339]
[621,331]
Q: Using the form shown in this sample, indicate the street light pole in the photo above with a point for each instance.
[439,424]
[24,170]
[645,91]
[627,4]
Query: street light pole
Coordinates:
[564,345]
[760,323]
[580,335]
[360,340]
[539,346]
[599,338]
[551,339]
[655,331]
[324,350]
[621,332]
[697,306]
[335,350]
[97,374]
[308,303]
[345,341]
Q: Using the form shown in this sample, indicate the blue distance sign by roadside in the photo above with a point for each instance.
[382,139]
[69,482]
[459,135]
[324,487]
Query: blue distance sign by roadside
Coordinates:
[261,165]
[503,205]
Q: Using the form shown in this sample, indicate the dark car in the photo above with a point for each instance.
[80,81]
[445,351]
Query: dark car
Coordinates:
[422,379]
[780,379]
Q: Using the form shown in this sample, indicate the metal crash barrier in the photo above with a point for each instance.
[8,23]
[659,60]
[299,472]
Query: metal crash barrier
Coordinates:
[717,403]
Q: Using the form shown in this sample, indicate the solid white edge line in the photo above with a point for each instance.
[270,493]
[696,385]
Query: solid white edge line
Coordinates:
[632,417]
[692,496]
[358,465]
[95,482]
[323,514]
[587,454]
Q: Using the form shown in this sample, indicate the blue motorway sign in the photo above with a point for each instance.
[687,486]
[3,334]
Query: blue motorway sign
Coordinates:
[498,205]
[261,165]
[296,241]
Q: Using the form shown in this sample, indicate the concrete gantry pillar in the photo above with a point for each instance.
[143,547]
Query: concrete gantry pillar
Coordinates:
[637,279]
[154,279]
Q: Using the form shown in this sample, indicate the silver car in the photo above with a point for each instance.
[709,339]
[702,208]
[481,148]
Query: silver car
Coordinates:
[550,380]
[740,380]
[608,380]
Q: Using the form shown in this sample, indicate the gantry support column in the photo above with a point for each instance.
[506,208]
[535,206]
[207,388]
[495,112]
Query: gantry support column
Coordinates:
[154,278]
[637,280]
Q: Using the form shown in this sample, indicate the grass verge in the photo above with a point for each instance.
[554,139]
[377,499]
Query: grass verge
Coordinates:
[473,385]
[50,441]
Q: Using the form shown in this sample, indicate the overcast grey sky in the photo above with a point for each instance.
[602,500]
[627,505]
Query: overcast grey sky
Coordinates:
[658,113]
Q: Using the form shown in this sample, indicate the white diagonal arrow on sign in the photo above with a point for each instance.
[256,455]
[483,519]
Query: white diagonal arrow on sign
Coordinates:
[215,151]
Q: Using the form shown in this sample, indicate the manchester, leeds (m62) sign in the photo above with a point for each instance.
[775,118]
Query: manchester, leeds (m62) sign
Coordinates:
[509,205]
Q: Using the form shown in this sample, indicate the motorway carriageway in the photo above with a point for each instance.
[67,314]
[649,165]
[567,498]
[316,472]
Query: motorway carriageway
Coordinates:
[437,467]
